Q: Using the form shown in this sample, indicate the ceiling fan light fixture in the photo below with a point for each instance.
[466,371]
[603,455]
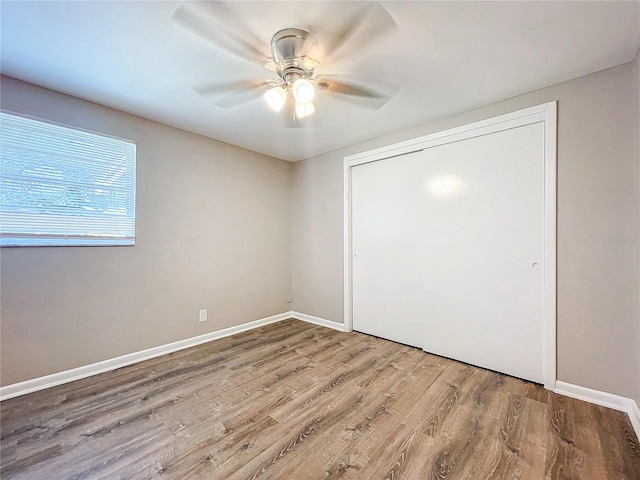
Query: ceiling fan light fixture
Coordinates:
[304,109]
[303,90]
[275,98]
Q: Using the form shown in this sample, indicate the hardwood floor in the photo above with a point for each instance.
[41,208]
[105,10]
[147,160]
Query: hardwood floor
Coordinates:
[296,401]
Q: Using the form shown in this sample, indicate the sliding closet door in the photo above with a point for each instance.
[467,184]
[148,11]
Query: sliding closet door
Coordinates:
[448,248]
[386,219]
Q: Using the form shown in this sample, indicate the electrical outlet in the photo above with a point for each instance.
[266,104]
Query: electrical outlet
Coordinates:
[203,315]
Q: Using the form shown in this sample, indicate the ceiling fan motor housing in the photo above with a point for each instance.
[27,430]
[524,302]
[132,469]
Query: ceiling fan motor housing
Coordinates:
[290,48]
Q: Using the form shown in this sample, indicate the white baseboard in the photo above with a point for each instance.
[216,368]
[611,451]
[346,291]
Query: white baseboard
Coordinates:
[604,399]
[40,383]
[318,321]
[634,416]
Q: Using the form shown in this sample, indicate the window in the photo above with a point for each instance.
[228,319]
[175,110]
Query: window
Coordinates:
[63,186]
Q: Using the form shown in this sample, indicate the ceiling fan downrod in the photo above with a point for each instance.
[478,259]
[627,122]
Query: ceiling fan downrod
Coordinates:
[290,49]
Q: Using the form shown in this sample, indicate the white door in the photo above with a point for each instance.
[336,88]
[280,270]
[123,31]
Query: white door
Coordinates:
[448,250]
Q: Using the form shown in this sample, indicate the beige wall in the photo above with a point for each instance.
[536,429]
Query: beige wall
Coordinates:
[596,198]
[231,252]
[213,231]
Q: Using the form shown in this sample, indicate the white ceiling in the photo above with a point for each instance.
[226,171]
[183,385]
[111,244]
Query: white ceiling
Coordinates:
[446,57]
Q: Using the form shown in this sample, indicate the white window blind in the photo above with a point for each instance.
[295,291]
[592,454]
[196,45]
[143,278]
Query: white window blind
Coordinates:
[62,186]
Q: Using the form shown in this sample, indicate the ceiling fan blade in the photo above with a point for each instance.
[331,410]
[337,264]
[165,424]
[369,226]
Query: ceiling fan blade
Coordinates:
[367,22]
[345,28]
[231,95]
[357,89]
[233,22]
[215,31]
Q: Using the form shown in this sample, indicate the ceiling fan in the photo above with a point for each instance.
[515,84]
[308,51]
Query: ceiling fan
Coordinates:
[295,53]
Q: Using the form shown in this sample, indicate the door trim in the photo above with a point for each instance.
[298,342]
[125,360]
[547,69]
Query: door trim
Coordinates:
[546,114]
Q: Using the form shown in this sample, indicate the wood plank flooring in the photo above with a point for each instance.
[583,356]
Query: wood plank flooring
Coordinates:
[296,401]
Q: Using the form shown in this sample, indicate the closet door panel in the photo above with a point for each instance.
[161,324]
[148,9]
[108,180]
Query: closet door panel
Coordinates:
[386,279]
[448,248]
[485,236]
